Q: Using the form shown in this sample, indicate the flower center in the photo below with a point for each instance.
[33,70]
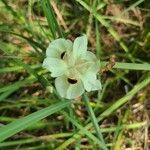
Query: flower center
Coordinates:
[72,81]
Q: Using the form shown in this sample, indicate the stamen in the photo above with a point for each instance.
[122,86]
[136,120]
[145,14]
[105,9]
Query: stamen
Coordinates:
[72,81]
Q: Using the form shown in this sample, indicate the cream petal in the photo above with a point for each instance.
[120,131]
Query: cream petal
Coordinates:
[89,64]
[80,47]
[57,67]
[95,64]
[75,90]
[62,86]
[67,90]
[57,47]
[90,82]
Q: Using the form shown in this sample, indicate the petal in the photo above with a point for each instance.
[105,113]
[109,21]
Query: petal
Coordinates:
[75,90]
[90,82]
[80,46]
[95,64]
[62,85]
[67,90]
[57,47]
[89,64]
[56,66]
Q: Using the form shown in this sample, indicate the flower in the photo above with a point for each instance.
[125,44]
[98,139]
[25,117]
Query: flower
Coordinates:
[74,67]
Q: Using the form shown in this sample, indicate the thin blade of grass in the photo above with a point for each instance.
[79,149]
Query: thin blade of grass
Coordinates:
[7,93]
[18,84]
[131,7]
[129,66]
[33,43]
[94,120]
[51,19]
[21,124]
[16,68]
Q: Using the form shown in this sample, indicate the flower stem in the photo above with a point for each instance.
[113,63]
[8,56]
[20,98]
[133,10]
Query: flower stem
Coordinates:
[94,120]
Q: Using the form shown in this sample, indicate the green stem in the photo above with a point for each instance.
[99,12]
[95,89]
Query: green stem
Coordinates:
[94,120]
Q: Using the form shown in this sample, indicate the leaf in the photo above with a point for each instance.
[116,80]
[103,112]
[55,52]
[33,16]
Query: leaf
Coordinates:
[51,19]
[21,124]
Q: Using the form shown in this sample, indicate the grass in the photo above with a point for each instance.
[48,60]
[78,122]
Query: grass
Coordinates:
[33,115]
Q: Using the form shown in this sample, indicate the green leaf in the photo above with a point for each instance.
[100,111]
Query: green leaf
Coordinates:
[51,19]
[129,66]
[7,93]
[18,84]
[94,121]
[21,124]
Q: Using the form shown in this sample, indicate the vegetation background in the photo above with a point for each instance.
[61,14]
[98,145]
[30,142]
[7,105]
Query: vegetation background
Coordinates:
[118,32]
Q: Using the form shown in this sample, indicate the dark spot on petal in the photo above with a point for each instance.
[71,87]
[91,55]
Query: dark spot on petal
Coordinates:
[62,55]
[72,81]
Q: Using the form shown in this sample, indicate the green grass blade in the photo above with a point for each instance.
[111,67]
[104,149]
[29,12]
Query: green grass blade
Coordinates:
[18,84]
[98,41]
[44,82]
[131,7]
[7,93]
[16,68]
[33,43]
[21,124]
[130,66]
[123,20]
[51,19]
[94,120]
[35,139]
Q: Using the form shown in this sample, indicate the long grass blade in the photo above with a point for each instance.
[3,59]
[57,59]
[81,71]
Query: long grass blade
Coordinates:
[21,124]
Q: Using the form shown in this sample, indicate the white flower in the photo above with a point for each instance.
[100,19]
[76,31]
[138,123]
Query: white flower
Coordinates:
[74,67]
